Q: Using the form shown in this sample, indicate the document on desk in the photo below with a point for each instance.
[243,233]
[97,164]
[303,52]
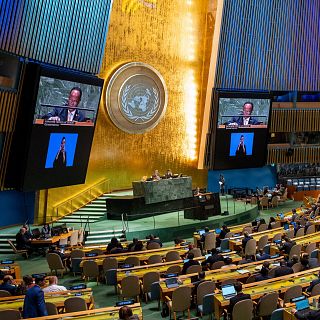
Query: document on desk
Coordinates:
[243,271]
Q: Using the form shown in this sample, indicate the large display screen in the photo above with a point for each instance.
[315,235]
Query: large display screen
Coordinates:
[242,130]
[55,128]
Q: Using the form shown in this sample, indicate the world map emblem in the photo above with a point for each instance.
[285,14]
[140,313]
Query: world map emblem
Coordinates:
[136,97]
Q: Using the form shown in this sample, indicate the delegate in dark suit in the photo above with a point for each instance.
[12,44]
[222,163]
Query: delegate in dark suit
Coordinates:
[62,113]
[313,284]
[34,304]
[311,315]
[239,120]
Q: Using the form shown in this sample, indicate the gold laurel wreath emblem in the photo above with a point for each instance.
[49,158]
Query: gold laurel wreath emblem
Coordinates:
[128,112]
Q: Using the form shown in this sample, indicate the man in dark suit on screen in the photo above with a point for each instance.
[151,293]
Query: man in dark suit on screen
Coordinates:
[245,118]
[71,113]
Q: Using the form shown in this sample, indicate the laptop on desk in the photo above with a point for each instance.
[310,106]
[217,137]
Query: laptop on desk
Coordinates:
[172,283]
[228,291]
[303,306]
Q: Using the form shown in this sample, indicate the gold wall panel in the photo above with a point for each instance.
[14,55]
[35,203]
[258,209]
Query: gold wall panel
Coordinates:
[173,37]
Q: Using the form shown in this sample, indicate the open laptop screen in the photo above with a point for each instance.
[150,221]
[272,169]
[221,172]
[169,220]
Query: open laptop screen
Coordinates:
[302,304]
[228,290]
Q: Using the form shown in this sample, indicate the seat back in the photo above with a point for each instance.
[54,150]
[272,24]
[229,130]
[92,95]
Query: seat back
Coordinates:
[51,308]
[4,293]
[209,241]
[217,265]
[275,225]
[274,202]
[277,237]
[251,279]
[267,304]
[295,250]
[90,268]
[311,229]
[263,241]
[130,287]
[264,202]
[263,227]
[155,291]
[132,260]
[290,233]
[251,247]
[172,256]
[194,269]
[181,299]
[247,228]
[174,269]
[315,290]
[109,263]
[54,261]
[224,244]
[208,304]
[75,304]
[297,267]
[97,251]
[156,258]
[77,253]
[229,235]
[153,245]
[291,293]
[204,288]
[196,252]
[300,232]
[111,277]
[243,310]
[149,278]
[10,314]
[277,314]
[75,265]
[310,247]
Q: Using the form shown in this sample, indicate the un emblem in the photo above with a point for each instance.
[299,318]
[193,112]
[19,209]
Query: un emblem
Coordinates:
[136,97]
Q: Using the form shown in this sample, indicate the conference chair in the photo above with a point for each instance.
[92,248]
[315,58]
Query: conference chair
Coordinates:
[130,287]
[266,305]
[276,237]
[172,256]
[275,225]
[203,289]
[174,269]
[229,235]
[111,279]
[263,241]
[310,247]
[277,314]
[207,306]
[217,265]
[209,242]
[274,202]
[132,260]
[228,281]
[311,229]
[10,314]
[75,304]
[295,250]
[153,245]
[292,292]
[290,233]
[300,233]
[247,228]
[90,270]
[51,308]
[251,248]
[194,269]
[180,302]
[77,253]
[4,293]
[156,258]
[109,263]
[297,267]
[262,227]
[147,280]
[155,293]
[243,310]
[196,252]
[251,279]
[97,251]
[264,202]
[23,252]
[224,245]
[55,263]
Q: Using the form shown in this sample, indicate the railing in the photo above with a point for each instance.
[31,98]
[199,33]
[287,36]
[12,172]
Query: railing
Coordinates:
[78,201]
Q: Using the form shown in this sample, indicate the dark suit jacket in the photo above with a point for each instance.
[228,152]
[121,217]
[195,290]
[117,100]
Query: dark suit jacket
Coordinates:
[34,304]
[311,315]
[312,284]
[186,265]
[282,271]
[245,240]
[239,120]
[62,113]
[10,288]
[239,297]
[22,241]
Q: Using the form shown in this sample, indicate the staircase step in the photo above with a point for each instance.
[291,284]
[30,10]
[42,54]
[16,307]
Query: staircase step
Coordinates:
[90,213]
[104,241]
[106,231]
[106,236]
[95,205]
[92,209]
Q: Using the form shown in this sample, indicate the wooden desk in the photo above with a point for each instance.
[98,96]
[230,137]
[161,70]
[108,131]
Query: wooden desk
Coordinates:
[142,255]
[51,240]
[14,270]
[108,313]
[58,298]
[258,289]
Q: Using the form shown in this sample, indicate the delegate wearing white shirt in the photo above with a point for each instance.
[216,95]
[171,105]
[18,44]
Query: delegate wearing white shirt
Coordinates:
[54,288]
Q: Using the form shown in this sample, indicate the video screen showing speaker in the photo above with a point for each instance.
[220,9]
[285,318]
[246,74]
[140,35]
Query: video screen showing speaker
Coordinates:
[241,130]
[55,128]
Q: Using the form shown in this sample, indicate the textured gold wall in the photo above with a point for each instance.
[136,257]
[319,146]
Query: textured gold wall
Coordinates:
[175,38]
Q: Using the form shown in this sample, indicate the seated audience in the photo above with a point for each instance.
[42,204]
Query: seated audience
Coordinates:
[288,244]
[271,221]
[246,238]
[247,259]
[262,255]
[64,257]
[294,260]
[222,235]
[214,257]
[189,263]
[139,246]
[309,315]
[23,242]
[314,283]
[239,297]
[125,313]
[178,241]
[9,285]
[154,239]
[227,263]
[206,232]
[46,230]
[34,305]
[283,270]
[156,176]
[118,249]
[262,275]
[132,244]
[53,285]
[112,244]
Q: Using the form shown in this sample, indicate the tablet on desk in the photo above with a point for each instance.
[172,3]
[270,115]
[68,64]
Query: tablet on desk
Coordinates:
[302,305]
[228,291]
[172,283]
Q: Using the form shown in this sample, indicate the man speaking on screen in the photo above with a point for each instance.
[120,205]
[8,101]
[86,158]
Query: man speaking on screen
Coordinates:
[71,113]
[245,118]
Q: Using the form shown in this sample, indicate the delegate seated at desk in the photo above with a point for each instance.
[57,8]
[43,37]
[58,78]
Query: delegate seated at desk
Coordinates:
[71,113]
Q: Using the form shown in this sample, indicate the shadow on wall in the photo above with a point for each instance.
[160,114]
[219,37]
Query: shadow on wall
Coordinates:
[16,207]
[250,178]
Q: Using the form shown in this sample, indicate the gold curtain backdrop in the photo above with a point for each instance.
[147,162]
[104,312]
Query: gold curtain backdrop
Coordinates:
[175,37]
